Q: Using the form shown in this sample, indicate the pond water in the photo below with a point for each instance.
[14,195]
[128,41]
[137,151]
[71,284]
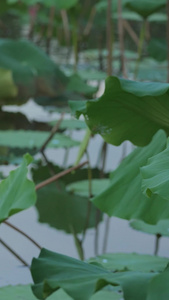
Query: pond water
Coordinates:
[121,237]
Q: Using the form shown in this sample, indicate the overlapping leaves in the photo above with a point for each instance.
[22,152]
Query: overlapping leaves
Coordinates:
[124,197]
[81,280]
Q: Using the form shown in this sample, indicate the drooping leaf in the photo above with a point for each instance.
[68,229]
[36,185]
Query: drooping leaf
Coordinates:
[145,8]
[156,175]
[159,288]
[133,111]
[82,187]
[131,262]
[161,228]
[17,292]
[16,191]
[34,139]
[81,280]
[33,72]
[7,87]
[124,198]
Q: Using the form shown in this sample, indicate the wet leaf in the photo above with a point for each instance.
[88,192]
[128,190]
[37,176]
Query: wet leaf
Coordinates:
[131,262]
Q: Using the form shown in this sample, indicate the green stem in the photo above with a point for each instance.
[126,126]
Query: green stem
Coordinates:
[157,244]
[75,45]
[140,47]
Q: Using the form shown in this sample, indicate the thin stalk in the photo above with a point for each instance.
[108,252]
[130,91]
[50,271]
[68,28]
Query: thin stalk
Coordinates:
[89,24]
[75,45]
[61,174]
[106,234]
[78,243]
[168,41]
[14,253]
[50,28]
[121,38]
[65,22]
[89,205]
[104,155]
[109,37]
[157,244]
[53,131]
[96,240]
[23,233]
[140,47]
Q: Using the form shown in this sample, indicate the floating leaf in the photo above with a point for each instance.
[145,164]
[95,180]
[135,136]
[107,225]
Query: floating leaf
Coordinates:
[161,228]
[34,139]
[82,187]
[133,111]
[17,292]
[124,198]
[131,262]
[145,8]
[16,191]
[70,124]
[81,280]
[156,175]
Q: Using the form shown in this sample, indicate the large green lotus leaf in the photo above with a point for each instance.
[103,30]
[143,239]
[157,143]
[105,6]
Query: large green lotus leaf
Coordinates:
[16,191]
[63,210]
[33,72]
[22,292]
[34,139]
[124,197]
[156,175]
[159,287]
[145,8]
[158,49]
[133,111]
[81,280]
[82,187]
[162,227]
[131,262]
[7,87]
